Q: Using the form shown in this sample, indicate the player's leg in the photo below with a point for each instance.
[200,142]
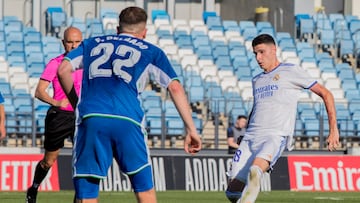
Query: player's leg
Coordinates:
[142,183]
[133,158]
[146,197]
[92,157]
[252,188]
[267,153]
[86,189]
[237,174]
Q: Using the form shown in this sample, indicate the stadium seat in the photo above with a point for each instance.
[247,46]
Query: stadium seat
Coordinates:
[196,94]
[175,127]
[312,127]
[354,25]
[306,29]
[55,20]
[109,18]
[230,25]
[94,27]
[346,47]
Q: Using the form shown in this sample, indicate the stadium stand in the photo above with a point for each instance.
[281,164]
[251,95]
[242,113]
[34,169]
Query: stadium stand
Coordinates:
[213,59]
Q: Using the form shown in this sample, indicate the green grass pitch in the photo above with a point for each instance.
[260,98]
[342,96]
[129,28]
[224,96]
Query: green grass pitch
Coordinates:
[192,197]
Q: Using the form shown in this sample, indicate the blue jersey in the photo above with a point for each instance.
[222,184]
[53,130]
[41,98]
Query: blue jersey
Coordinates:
[116,71]
[1,98]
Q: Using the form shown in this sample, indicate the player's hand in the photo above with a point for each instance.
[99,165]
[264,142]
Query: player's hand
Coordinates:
[192,143]
[333,140]
[2,132]
[63,103]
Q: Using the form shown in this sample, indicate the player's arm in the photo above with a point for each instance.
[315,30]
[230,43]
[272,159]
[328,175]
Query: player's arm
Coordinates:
[328,98]
[42,94]
[67,82]
[231,139]
[192,142]
[2,122]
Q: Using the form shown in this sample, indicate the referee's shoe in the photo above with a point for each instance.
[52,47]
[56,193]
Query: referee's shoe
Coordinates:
[31,195]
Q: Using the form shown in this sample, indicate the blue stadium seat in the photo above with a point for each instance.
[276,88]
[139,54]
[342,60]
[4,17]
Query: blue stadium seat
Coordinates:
[298,18]
[323,24]
[346,127]
[307,28]
[240,61]
[94,27]
[243,24]
[175,127]
[343,34]
[327,37]
[340,25]
[33,47]
[299,127]
[32,36]
[333,17]
[35,57]
[237,51]
[312,127]
[287,43]
[78,23]
[223,60]
[249,33]
[354,25]
[201,40]
[5,89]
[351,94]
[202,50]
[214,92]
[346,47]
[155,126]
[14,36]
[12,25]
[230,24]
[343,114]
[159,14]
[55,19]
[214,22]
[308,113]
[196,94]
[220,50]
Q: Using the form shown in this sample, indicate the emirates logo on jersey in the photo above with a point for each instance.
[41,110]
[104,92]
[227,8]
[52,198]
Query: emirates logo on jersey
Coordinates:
[276,77]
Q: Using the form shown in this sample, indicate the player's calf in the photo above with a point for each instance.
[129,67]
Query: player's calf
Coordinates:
[252,188]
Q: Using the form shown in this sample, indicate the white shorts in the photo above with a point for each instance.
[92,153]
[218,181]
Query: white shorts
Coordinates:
[267,147]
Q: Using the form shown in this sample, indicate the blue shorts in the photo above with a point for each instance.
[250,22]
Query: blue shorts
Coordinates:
[99,139]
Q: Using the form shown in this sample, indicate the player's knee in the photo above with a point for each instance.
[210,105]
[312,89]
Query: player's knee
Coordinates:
[142,181]
[233,196]
[86,188]
[46,164]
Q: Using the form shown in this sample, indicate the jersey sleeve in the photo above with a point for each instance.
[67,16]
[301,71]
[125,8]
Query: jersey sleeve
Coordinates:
[162,70]
[302,78]
[1,99]
[75,57]
[50,70]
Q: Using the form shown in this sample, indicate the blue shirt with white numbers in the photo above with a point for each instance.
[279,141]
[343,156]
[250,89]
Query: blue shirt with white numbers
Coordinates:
[116,70]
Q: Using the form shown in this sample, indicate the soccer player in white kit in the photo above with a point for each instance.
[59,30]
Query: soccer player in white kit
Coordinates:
[271,123]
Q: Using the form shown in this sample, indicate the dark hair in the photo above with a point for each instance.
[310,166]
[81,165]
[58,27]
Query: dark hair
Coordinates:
[263,39]
[242,116]
[132,15]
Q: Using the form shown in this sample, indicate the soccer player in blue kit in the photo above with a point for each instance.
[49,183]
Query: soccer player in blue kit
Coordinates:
[271,122]
[110,119]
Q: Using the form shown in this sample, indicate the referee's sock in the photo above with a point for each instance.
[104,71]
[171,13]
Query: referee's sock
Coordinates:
[252,188]
[40,174]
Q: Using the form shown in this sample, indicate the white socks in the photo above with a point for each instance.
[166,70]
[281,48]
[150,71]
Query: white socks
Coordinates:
[252,188]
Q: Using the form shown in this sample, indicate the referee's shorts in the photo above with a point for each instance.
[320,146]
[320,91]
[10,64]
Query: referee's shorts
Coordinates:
[59,125]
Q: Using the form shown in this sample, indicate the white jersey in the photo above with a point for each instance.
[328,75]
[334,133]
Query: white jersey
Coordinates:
[275,100]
